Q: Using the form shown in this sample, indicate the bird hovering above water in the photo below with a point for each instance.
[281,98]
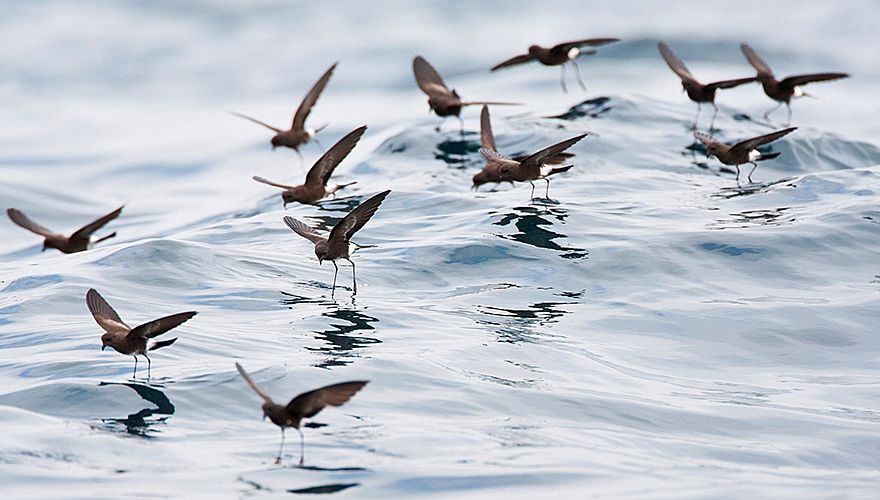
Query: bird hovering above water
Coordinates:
[698,92]
[298,134]
[76,242]
[492,170]
[441,100]
[742,152]
[306,405]
[315,186]
[127,340]
[532,167]
[558,55]
[783,90]
[338,244]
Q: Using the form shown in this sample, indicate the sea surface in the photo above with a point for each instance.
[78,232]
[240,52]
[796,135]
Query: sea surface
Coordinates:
[654,329]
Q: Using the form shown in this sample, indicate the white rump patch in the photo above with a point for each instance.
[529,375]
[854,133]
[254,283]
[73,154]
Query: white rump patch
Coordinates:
[754,155]
[574,52]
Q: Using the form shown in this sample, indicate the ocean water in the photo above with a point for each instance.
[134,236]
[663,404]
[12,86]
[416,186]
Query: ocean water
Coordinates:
[655,329]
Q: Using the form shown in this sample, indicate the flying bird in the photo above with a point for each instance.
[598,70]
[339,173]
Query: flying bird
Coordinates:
[132,341]
[315,186]
[532,167]
[76,242]
[558,55]
[306,405]
[491,171]
[742,152]
[338,244]
[698,92]
[298,134]
[441,100]
[790,86]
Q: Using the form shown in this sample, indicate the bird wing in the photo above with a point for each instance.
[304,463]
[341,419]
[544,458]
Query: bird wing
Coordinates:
[254,386]
[487,140]
[356,219]
[302,229]
[22,220]
[86,231]
[308,404]
[750,144]
[674,63]
[428,79]
[539,158]
[513,61]
[258,122]
[305,107]
[795,80]
[728,84]
[755,60]
[271,183]
[103,313]
[159,326]
[321,171]
[592,42]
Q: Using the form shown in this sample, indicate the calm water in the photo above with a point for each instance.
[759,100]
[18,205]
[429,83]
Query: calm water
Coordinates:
[656,331]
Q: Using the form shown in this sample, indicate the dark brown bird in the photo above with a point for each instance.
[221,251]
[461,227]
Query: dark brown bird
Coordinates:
[492,170]
[783,90]
[128,340]
[315,186]
[698,92]
[76,242]
[306,405]
[742,152]
[532,167]
[339,245]
[558,55]
[298,133]
[443,101]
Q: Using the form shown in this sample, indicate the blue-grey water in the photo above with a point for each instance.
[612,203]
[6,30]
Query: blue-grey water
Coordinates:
[656,331]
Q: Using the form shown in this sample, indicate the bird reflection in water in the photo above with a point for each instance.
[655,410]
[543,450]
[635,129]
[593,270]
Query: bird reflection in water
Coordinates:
[458,151]
[533,224]
[514,325]
[341,341]
[593,108]
[138,423]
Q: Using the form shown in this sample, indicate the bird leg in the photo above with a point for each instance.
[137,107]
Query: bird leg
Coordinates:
[461,123]
[335,272]
[714,115]
[562,80]
[754,166]
[547,191]
[532,196]
[149,365]
[134,373]
[302,447]
[577,72]
[281,448]
[774,108]
[788,120]
[697,118]
[737,172]
[353,278]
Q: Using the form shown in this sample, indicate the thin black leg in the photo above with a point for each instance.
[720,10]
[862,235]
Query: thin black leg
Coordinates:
[577,72]
[714,115]
[149,365]
[354,281]
[280,448]
[135,372]
[547,191]
[774,108]
[562,81]
[532,196]
[335,272]
[754,166]
[302,447]
[697,118]
[788,120]
[737,172]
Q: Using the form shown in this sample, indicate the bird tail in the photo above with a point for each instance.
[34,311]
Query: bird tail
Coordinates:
[768,156]
[559,170]
[360,247]
[162,343]
[111,235]
[343,186]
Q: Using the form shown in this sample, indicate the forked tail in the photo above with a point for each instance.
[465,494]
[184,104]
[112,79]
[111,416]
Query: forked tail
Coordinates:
[162,343]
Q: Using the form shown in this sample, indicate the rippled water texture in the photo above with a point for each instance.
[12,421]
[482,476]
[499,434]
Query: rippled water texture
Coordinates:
[652,330]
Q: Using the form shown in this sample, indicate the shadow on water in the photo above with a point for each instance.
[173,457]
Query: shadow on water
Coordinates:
[514,325]
[593,108]
[327,488]
[456,150]
[137,423]
[533,225]
[749,189]
[340,343]
[749,218]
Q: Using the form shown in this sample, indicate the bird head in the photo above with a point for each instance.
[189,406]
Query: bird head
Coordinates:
[321,252]
[105,341]
[276,141]
[288,197]
[534,49]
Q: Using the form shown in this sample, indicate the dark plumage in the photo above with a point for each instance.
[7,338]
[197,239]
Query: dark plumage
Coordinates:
[306,405]
[315,186]
[783,90]
[558,55]
[76,242]
[698,92]
[298,133]
[127,340]
[338,244]
[532,167]
[742,152]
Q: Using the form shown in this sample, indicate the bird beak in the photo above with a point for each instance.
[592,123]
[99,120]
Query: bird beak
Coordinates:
[320,262]
[103,347]
[707,154]
[44,248]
